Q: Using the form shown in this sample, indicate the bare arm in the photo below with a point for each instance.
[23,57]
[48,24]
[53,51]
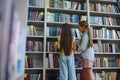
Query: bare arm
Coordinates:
[74,46]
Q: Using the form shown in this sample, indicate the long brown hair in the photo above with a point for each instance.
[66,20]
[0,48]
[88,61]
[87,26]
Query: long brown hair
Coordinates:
[85,24]
[66,39]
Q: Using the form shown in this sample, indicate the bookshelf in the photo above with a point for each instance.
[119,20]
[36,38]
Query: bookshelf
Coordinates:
[47,9]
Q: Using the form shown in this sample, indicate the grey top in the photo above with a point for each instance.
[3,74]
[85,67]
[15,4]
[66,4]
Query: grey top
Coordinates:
[86,52]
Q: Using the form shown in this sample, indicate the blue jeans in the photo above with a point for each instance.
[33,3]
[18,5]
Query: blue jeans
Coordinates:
[67,68]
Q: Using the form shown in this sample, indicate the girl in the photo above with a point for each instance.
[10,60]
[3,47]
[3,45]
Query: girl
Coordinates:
[85,46]
[67,46]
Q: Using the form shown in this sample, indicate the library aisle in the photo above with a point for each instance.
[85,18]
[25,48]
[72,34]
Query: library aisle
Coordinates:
[29,30]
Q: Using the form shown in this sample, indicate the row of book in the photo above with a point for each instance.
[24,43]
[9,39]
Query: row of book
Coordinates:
[53,31]
[106,76]
[70,18]
[103,20]
[97,76]
[106,47]
[105,33]
[104,7]
[33,76]
[109,0]
[36,15]
[56,31]
[52,61]
[62,17]
[65,4]
[38,3]
[34,45]
[33,62]
[106,62]
[32,30]
[98,47]
[51,46]
[100,76]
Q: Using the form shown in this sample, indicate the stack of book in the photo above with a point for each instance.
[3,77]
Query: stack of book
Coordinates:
[56,31]
[34,31]
[33,62]
[33,76]
[64,17]
[52,61]
[36,15]
[53,31]
[104,7]
[34,45]
[65,4]
[106,62]
[105,76]
[106,47]
[103,20]
[38,3]
[105,33]
[54,76]
[52,46]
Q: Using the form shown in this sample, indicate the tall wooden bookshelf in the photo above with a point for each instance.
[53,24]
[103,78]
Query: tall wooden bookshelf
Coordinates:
[44,38]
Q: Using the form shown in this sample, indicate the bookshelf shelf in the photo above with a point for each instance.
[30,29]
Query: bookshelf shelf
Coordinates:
[34,69]
[53,52]
[35,36]
[52,37]
[107,26]
[106,53]
[60,24]
[94,69]
[102,1]
[111,40]
[35,8]
[67,10]
[116,40]
[96,53]
[78,0]
[96,13]
[32,22]
[34,52]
